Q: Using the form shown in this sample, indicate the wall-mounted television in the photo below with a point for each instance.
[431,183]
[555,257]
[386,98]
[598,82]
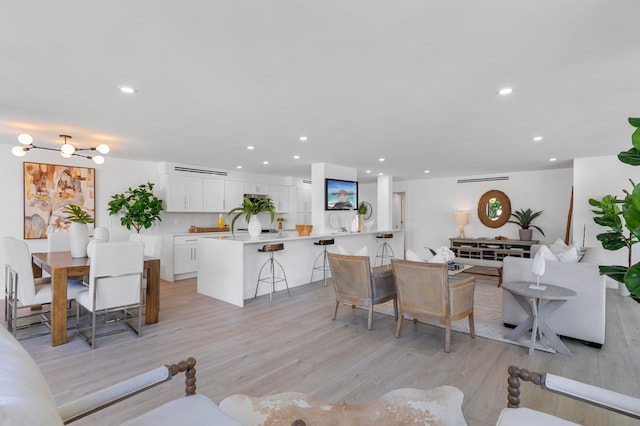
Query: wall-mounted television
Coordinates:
[341,194]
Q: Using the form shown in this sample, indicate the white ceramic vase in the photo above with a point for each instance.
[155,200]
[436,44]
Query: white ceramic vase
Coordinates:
[255,227]
[78,239]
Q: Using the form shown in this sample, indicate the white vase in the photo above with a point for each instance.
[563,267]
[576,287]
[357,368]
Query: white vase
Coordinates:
[78,239]
[623,290]
[255,227]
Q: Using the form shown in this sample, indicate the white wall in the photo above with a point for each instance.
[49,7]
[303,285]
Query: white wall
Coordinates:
[430,205]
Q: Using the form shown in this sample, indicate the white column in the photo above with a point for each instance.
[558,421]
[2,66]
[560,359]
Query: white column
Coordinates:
[385,188]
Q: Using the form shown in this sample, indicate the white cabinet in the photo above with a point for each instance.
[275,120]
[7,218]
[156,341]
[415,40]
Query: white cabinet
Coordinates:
[232,195]
[255,188]
[303,199]
[213,195]
[185,255]
[280,195]
[184,194]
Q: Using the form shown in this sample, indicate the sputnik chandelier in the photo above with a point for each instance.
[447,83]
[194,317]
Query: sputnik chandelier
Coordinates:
[66,150]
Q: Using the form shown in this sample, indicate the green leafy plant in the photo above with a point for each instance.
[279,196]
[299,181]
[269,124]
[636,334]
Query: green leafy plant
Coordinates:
[622,217]
[139,207]
[363,208]
[251,207]
[77,214]
[523,218]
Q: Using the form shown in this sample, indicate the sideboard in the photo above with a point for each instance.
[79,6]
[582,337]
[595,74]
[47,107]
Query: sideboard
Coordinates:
[490,249]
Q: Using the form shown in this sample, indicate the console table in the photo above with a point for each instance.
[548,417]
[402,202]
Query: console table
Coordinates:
[489,249]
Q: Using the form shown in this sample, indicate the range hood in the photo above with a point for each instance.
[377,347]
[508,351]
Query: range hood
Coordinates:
[256,196]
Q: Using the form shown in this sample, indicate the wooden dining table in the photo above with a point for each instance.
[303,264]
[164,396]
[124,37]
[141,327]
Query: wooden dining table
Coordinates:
[60,265]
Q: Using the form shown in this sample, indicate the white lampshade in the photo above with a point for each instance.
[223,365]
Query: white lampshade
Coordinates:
[25,139]
[461,218]
[98,159]
[68,149]
[103,148]
[18,151]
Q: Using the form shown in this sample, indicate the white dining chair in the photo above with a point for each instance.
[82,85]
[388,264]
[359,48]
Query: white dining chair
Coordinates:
[22,289]
[152,248]
[115,284]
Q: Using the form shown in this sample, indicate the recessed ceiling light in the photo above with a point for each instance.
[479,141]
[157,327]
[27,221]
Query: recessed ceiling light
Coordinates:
[505,91]
[303,138]
[380,174]
[537,138]
[238,167]
[128,90]
[368,171]
[381,159]
[296,157]
[427,171]
[250,148]
[553,159]
[265,162]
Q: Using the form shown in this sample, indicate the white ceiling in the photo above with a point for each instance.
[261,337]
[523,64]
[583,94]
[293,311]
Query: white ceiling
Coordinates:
[413,81]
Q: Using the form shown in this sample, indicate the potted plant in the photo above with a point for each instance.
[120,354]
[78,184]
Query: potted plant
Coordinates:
[524,218]
[139,207]
[78,230]
[250,208]
[612,211]
[363,210]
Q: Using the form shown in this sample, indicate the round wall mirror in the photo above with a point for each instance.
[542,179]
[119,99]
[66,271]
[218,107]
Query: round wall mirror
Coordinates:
[494,208]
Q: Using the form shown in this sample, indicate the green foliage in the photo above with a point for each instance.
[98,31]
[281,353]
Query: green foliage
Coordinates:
[250,208]
[77,214]
[525,217]
[622,217]
[139,207]
[362,208]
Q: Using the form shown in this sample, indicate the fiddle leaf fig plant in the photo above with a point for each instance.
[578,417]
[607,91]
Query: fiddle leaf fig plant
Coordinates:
[622,217]
[139,207]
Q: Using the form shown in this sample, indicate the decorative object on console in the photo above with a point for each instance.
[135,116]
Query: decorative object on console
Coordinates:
[538,270]
[250,208]
[523,218]
[139,207]
[280,220]
[611,215]
[66,150]
[462,219]
[78,231]
[304,230]
[494,208]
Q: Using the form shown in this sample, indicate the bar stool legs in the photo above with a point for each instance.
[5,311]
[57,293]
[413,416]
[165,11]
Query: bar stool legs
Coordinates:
[324,267]
[384,252]
[271,277]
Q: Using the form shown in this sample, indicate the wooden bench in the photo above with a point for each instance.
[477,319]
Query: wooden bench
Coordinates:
[483,267]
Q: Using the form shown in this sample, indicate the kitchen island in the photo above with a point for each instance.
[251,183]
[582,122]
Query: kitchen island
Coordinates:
[228,266]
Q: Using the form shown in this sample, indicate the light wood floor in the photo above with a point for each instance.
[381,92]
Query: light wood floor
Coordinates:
[291,344]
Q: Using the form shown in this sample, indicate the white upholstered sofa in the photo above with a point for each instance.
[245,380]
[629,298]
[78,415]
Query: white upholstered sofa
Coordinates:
[583,316]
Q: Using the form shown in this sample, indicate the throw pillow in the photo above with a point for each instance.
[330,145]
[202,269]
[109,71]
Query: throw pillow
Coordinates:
[569,255]
[413,256]
[438,258]
[546,254]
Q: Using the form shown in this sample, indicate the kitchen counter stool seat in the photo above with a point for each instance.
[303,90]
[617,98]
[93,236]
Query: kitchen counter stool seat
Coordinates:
[324,266]
[273,276]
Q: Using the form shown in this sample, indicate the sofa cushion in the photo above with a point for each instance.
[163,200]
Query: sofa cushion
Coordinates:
[526,417]
[25,397]
[438,406]
[413,256]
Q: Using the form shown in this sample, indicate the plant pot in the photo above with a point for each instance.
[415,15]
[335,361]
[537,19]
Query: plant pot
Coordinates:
[525,234]
[360,223]
[623,290]
[78,239]
[255,227]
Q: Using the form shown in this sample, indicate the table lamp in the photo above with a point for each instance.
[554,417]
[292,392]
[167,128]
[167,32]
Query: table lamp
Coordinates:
[538,271]
[462,219]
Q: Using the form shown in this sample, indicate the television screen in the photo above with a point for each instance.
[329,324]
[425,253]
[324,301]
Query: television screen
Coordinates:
[341,194]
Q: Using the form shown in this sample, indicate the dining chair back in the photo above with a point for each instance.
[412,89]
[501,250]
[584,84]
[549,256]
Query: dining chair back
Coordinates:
[426,294]
[152,244]
[58,241]
[355,286]
[115,283]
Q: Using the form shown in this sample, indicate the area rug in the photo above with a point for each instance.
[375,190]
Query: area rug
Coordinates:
[487,311]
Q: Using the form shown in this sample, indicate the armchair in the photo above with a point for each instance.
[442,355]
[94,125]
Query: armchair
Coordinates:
[425,293]
[356,286]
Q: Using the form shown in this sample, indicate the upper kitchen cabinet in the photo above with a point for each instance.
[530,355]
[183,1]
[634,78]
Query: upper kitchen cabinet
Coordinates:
[280,195]
[233,193]
[303,199]
[255,188]
[184,194]
[213,195]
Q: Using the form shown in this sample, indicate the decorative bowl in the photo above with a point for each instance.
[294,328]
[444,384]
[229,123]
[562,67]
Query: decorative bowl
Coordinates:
[304,230]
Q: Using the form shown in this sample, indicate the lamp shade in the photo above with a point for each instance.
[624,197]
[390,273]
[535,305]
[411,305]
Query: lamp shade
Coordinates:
[461,218]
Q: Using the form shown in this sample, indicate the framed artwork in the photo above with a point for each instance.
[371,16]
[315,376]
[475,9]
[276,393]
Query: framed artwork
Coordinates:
[48,189]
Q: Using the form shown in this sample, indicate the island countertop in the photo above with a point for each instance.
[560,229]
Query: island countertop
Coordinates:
[228,266]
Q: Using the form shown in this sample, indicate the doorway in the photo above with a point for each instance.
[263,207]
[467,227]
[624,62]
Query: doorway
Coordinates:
[397,215]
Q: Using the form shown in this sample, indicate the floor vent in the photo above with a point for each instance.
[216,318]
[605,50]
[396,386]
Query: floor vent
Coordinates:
[200,171]
[487,179]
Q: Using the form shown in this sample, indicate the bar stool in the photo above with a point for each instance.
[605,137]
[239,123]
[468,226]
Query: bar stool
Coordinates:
[324,267]
[384,252]
[272,262]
